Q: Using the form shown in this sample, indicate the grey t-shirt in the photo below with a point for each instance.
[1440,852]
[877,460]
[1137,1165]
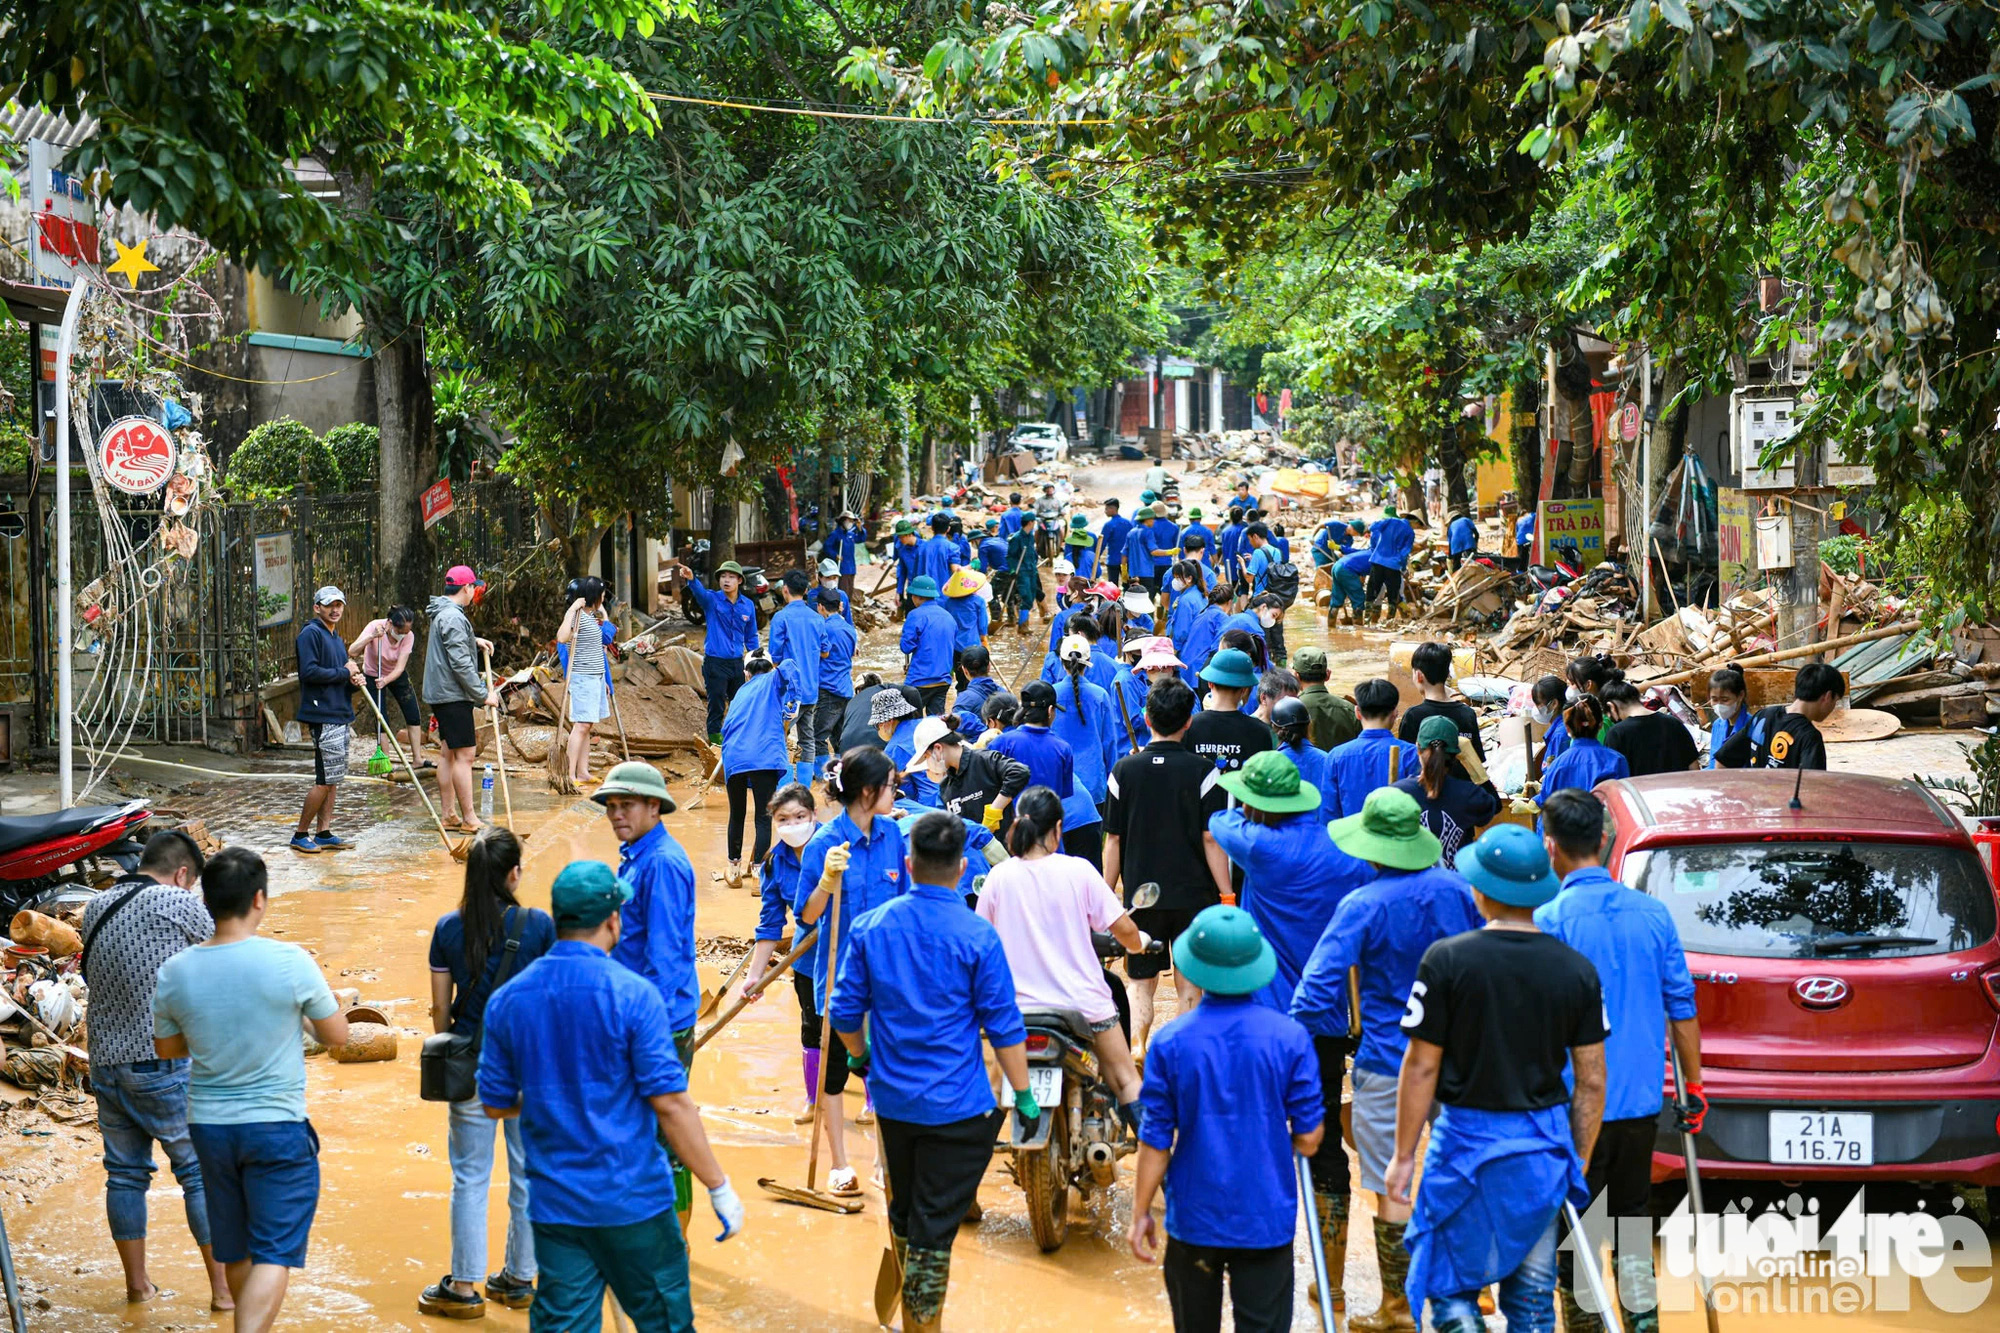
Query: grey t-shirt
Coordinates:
[125,959]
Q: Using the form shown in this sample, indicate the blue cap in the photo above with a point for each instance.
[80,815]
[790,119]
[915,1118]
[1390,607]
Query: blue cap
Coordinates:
[1223,952]
[923,585]
[585,893]
[1231,668]
[1509,865]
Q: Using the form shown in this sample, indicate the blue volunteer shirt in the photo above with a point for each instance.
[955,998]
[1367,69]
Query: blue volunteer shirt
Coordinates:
[1167,540]
[1139,553]
[1257,565]
[1355,563]
[840,545]
[1293,879]
[1011,520]
[1232,546]
[1111,540]
[969,619]
[1207,539]
[1719,731]
[930,638]
[1085,560]
[1128,693]
[580,1043]
[1390,542]
[732,622]
[1227,1086]
[1101,671]
[1554,742]
[993,554]
[656,936]
[1087,721]
[1203,639]
[836,656]
[874,875]
[971,699]
[1630,938]
[929,977]
[1462,537]
[935,557]
[1181,616]
[753,730]
[907,554]
[1311,761]
[1584,762]
[778,889]
[1052,763]
[795,636]
[1362,765]
[1383,927]
[1524,532]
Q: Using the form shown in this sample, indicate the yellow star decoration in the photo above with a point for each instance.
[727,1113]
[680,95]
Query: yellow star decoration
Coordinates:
[132,262]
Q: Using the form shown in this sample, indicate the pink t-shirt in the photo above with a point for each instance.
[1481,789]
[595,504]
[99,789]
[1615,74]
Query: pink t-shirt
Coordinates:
[1044,911]
[385,652]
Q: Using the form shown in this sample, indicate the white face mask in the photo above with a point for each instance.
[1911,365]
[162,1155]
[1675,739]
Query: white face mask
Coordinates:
[935,767]
[1267,617]
[1180,585]
[1726,711]
[1542,715]
[794,833]
[1572,694]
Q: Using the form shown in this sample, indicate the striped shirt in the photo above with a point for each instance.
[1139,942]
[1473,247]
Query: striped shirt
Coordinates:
[587,648]
[125,959]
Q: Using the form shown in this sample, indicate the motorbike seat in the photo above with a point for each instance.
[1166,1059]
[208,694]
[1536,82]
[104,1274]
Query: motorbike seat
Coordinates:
[18,831]
[1067,1021]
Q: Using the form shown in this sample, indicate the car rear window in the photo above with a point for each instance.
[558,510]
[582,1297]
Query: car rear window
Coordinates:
[1820,899]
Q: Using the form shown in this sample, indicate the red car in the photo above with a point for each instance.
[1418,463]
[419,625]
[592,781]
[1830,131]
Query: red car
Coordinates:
[1846,971]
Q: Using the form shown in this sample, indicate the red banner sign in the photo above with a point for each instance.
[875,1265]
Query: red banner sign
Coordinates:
[436,501]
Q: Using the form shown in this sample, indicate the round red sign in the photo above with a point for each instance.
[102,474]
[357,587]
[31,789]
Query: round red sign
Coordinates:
[137,455]
[1628,421]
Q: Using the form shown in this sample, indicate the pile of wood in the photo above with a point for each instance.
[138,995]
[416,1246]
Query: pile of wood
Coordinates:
[1949,694]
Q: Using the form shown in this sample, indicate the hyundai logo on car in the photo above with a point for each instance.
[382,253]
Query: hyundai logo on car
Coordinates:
[1821,992]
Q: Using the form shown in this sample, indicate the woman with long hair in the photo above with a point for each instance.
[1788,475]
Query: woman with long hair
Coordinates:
[1044,905]
[754,756]
[1454,808]
[582,633]
[792,824]
[1052,763]
[1586,761]
[469,951]
[861,851]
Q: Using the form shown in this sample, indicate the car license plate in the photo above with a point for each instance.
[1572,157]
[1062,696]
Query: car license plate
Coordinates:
[1045,1081]
[1822,1138]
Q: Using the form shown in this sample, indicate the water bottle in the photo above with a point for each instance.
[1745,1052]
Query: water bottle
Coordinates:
[486,793]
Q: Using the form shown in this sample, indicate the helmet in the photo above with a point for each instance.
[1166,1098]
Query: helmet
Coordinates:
[1290,719]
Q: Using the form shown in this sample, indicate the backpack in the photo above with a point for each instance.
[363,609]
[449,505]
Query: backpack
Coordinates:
[1283,579]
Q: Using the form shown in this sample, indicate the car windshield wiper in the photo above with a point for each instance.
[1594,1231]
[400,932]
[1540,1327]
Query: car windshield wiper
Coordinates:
[1823,943]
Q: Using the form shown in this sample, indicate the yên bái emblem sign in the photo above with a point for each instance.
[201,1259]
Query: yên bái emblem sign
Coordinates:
[137,454]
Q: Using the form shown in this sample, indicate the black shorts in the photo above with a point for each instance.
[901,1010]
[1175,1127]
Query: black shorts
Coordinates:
[456,729]
[1164,924]
[405,696]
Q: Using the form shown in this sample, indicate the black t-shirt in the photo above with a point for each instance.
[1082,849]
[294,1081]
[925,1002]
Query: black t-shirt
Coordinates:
[855,728]
[1507,1006]
[1774,739]
[1153,806]
[1226,738]
[1653,743]
[1461,716]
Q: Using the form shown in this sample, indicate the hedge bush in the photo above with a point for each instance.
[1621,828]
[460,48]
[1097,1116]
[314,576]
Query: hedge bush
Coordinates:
[357,448]
[277,456]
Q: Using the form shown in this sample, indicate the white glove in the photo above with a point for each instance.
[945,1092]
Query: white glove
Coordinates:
[1145,942]
[728,1209]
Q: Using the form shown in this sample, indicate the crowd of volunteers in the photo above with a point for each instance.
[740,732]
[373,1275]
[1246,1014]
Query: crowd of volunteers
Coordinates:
[1371,959]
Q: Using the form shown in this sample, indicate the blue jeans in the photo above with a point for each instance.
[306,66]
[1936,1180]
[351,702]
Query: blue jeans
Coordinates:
[470,1146]
[1527,1296]
[263,1188]
[137,1105]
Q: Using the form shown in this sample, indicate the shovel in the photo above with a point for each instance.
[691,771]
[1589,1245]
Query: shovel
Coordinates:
[888,1273]
[812,1196]
[1694,1198]
[1318,1244]
[777,969]
[708,1001]
[458,850]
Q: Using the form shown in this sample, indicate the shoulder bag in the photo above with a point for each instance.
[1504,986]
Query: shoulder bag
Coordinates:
[448,1069]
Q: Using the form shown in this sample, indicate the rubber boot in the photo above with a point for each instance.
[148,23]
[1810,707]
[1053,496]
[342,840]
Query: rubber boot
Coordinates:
[1393,1261]
[1636,1287]
[1575,1318]
[926,1273]
[1333,1239]
[809,1056]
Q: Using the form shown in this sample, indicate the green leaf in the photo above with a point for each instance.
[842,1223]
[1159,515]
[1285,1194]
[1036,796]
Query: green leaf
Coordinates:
[1675,12]
[1883,32]
[1639,19]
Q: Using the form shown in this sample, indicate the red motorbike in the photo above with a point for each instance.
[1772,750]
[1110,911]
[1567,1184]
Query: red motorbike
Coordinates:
[37,850]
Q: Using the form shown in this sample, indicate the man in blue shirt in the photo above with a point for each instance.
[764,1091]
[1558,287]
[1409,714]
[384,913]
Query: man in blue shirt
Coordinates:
[1231,544]
[656,937]
[829,581]
[795,638]
[1461,538]
[1231,1092]
[1111,542]
[1139,551]
[1196,528]
[937,556]
[1014,516]
[1375,758]
[836,677]
[906,553]
[927,977]
[1350,587]
[1390,541]
[1166,540]
[965,603]
[1382,930]
[578,1048]
[930,645]
[840,546]
[992,548]
[1524,540]
[327,679]
[731,632]
[1631,939]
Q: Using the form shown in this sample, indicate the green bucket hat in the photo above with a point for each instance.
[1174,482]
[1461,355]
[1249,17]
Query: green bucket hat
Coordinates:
[1223,952]
[586,893]
[1438,730]
[905,528]
[729,567]
[635,777]
[1079,537]
[1145,513]
[1194,514]
[1270,782]
[1389,831]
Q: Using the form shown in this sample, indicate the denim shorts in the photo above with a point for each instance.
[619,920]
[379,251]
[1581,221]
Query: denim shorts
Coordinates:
[262,1182]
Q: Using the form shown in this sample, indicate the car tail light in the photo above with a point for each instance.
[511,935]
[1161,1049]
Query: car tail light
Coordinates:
[1038,1042]
[1990,979]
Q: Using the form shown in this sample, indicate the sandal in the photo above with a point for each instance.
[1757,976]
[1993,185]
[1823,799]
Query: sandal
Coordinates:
[843,1183]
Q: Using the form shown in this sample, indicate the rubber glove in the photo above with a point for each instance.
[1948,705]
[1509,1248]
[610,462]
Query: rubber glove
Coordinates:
[1689,1114]
[990,817]
[728,1208]
[858,1064]
[837,858]
[1028,1109]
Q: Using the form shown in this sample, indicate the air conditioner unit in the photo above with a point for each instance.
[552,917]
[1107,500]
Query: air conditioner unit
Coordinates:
[1753,424]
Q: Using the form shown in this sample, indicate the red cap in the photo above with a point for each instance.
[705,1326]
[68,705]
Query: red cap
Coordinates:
[461,576]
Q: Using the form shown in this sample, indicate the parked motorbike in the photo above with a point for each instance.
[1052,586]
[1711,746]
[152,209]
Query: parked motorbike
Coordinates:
[755,586]
[1568,568]
[47,860]
[1079,1137]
